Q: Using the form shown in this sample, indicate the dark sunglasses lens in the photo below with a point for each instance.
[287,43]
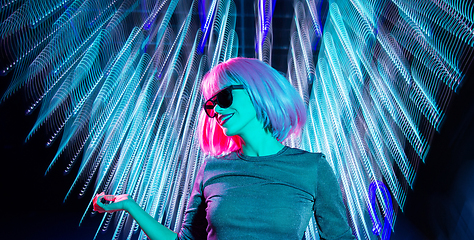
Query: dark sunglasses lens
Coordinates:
[209,107]
[224,98]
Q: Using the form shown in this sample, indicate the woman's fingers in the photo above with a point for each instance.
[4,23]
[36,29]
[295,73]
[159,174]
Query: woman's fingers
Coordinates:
[121,197]
[97,202]
[109,197]
[100,202]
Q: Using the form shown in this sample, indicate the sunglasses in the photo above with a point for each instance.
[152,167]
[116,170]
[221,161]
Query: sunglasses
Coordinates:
[223,98]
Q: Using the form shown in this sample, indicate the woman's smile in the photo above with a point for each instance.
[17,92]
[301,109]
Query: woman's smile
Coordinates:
[224,118]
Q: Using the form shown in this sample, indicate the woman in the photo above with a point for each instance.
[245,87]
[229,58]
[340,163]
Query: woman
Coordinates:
[252,186]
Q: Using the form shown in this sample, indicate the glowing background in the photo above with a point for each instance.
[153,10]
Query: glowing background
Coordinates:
[116,83]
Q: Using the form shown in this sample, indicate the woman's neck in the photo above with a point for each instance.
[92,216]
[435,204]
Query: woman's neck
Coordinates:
[261,143]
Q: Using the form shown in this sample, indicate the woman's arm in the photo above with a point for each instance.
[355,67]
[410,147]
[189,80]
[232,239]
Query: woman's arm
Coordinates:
[329,209]
[152,228]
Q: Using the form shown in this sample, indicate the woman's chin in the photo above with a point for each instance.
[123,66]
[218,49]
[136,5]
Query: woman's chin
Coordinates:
[227,132]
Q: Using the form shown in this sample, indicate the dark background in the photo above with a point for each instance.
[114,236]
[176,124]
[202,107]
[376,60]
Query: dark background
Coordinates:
[440,206]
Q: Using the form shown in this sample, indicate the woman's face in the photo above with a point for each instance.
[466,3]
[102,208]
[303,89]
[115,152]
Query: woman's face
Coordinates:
[240,118]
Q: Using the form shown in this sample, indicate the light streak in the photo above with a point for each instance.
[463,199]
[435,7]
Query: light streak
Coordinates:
[118,83]
[264,35]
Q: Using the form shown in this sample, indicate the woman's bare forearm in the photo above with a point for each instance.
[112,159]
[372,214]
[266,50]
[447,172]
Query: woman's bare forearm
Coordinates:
[153,229]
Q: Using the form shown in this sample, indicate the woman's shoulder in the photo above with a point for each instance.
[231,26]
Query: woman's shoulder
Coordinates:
[310,160]
[224,156]
[212,162]
[305,154]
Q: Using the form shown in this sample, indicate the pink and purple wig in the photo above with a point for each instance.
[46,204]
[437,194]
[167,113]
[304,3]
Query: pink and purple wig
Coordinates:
[278,105]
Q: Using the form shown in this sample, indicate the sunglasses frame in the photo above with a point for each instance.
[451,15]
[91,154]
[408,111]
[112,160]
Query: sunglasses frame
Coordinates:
[215,99]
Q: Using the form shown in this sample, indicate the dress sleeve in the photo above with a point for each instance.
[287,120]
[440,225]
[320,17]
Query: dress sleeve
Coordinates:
[329,210]
[195,222]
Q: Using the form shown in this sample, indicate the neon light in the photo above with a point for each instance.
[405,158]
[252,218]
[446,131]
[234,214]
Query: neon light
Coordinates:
[263,44]
[205,25]
[117,83]
[383,231]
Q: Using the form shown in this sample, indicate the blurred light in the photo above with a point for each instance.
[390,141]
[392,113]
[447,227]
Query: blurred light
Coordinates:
[118,83]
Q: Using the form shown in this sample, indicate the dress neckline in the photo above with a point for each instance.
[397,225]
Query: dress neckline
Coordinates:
[258,158]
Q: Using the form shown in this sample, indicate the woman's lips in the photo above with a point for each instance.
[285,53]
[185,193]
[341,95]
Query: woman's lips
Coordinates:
[224,118]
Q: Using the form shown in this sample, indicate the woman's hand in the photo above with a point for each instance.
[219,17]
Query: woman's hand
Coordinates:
[111,203]
[152,228]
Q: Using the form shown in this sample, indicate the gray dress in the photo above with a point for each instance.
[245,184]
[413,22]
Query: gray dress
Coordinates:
[269,197]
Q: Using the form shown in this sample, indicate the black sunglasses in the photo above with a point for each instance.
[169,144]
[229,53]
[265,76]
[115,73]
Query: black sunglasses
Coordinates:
[223,98]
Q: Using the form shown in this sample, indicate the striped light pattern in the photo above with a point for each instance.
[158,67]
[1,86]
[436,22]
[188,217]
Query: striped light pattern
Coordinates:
[378,90]
[117,83]
[264,34]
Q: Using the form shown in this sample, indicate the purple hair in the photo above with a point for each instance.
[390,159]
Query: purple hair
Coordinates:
[278,105]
